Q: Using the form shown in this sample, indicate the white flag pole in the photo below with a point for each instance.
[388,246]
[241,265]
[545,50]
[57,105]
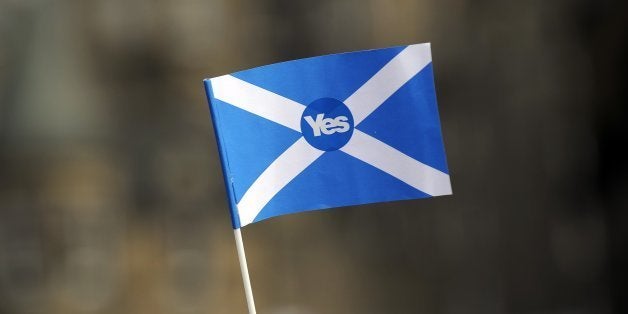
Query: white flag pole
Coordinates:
[248,291]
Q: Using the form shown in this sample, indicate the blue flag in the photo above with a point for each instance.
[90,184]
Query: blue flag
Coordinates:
[329,131]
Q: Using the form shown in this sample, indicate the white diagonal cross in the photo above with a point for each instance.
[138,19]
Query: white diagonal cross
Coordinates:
[301,154]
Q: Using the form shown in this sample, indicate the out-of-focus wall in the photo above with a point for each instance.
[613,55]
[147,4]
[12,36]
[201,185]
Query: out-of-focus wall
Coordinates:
[111,196]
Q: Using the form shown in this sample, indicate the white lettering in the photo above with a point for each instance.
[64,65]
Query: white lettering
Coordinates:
[328,126]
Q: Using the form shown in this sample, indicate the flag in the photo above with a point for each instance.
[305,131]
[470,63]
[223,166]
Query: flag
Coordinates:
[329,131]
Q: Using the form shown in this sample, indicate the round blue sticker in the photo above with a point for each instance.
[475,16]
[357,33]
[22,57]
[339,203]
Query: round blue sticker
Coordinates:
[327,124]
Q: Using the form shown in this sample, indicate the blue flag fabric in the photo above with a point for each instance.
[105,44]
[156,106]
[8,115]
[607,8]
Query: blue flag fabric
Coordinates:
[329,131]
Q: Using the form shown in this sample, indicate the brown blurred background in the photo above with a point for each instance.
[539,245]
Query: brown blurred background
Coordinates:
[111,196]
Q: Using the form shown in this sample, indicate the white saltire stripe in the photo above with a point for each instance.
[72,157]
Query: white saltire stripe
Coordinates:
[259,101]
[280,172]
[380,155]
[388,80]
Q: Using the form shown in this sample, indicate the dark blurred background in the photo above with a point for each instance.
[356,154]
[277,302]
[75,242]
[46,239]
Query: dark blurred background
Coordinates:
[111,196]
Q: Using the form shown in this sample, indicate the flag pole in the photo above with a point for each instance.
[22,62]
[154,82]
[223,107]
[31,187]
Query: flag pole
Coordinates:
[248,291]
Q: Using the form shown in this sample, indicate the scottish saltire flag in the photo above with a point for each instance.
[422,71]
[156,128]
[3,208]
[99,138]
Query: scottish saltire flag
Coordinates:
[329,131]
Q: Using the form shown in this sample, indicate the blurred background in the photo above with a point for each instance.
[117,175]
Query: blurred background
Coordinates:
[111,196]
